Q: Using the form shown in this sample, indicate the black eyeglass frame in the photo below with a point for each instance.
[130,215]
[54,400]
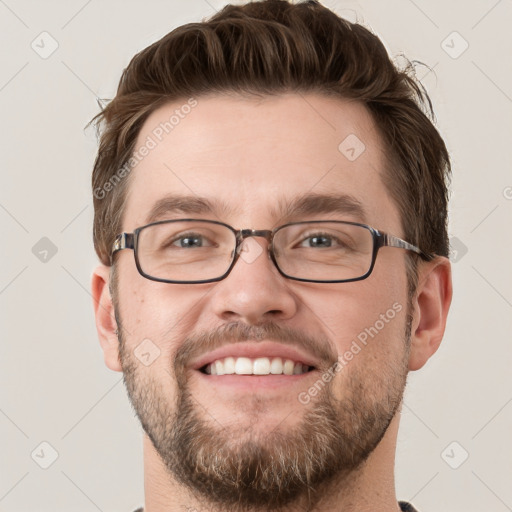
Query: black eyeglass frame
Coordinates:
[380,239]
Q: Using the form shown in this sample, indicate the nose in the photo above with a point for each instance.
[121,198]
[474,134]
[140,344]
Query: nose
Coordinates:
[254,291]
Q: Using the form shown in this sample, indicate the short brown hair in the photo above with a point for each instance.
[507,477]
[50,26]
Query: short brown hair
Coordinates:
[270,47]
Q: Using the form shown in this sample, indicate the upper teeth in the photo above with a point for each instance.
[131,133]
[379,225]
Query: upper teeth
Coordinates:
[259,366]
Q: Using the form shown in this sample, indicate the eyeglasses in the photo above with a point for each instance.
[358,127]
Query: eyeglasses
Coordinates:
[193,251]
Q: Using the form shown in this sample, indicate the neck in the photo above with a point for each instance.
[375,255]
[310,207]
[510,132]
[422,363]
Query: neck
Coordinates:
[371,488]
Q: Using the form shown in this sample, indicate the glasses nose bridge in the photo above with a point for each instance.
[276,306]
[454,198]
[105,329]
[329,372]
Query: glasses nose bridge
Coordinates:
[246,233]
[242,234]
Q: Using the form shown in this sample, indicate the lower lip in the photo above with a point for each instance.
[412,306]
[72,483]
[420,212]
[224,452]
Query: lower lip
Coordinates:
[254,382]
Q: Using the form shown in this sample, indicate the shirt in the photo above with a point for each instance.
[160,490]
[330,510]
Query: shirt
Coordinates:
[404,507]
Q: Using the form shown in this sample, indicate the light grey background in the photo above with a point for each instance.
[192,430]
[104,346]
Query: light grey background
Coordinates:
[54,385]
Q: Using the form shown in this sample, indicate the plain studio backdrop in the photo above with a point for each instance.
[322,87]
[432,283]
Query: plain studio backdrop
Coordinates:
[69,439]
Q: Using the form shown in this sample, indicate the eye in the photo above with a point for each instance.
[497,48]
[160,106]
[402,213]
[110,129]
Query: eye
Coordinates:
[322,240]
[187,240]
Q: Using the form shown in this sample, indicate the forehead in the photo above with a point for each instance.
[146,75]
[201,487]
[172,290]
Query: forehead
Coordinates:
[245,160]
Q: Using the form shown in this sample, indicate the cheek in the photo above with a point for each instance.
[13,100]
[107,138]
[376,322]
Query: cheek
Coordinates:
[367,327]
[364,318]
[156,316]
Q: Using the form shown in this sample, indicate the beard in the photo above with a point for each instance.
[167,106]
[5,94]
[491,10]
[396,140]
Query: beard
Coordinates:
[239,468]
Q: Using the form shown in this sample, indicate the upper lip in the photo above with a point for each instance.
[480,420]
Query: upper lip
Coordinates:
[254,350]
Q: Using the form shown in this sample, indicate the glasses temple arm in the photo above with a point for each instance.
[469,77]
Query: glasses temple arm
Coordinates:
[122,241]
[394,241]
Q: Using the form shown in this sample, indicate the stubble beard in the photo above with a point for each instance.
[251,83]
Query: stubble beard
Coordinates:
[242,469]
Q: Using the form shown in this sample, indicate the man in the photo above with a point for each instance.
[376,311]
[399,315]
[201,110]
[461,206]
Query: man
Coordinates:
[270,214]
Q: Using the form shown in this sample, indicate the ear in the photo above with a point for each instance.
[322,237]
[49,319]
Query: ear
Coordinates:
[106,324]
[431,303]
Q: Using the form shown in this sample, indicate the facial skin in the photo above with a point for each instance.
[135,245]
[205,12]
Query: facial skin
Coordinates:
[244,442]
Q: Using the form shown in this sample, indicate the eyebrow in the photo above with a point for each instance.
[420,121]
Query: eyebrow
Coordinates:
[188,205]
[287,208]
[314,204]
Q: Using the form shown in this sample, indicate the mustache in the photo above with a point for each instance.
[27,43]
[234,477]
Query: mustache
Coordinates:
[235,332]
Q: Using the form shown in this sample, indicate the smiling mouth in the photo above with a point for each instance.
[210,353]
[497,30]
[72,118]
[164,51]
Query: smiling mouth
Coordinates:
[255,366]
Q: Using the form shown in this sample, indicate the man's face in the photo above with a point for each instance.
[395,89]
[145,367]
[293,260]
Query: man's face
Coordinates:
[260,440]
